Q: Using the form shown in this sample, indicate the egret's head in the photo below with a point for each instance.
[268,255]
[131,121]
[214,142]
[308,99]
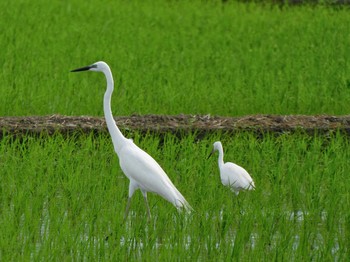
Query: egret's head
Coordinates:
[98,67]
[216,147]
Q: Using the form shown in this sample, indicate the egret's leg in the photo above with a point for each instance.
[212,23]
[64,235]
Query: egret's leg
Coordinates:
[132,188]
[144,193]
[127,208]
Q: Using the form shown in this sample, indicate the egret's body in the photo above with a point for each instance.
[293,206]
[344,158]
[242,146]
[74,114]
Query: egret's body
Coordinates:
[142,170]
[232,175]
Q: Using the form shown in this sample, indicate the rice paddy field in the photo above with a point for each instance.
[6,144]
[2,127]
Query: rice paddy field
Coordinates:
[63,197]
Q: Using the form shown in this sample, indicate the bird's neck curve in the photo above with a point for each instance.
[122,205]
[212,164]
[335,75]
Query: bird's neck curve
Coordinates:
[117,137]
[221,156]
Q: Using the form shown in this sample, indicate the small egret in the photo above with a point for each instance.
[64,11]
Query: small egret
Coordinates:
[232,175]
[142,170]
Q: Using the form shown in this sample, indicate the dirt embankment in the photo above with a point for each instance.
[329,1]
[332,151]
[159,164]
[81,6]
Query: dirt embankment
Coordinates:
[179,124]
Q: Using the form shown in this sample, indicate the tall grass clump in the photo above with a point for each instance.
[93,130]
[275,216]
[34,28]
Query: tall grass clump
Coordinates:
[171,57]
[64,198]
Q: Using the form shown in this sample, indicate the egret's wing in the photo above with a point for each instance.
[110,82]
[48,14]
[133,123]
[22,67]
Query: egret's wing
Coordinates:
[250,183]
[238,176]
[147,173]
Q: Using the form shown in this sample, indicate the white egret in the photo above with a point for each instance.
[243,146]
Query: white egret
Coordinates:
[232,175]
[142,170]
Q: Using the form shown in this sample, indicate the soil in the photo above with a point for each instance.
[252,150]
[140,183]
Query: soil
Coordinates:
[179,124]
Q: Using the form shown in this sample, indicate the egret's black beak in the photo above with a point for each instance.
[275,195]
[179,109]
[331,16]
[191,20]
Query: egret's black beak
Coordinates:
[210,154]
[85,68]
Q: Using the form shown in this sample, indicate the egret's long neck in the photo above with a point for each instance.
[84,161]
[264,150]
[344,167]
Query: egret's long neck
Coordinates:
[117,137]
[221,156]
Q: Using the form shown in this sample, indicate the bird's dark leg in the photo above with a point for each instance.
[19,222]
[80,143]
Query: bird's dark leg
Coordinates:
[127,208]
[144,193]
[132,188]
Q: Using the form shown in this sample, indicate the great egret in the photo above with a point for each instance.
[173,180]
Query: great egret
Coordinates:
[232,175]
[142,170]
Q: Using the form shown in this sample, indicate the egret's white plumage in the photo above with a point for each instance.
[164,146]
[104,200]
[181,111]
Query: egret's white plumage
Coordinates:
[232,175]
[142,170]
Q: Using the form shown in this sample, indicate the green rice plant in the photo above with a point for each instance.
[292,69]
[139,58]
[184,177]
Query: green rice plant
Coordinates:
[171,57]
[64,198]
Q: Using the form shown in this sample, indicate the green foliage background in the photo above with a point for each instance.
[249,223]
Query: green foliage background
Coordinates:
[171,57]
[60,197]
